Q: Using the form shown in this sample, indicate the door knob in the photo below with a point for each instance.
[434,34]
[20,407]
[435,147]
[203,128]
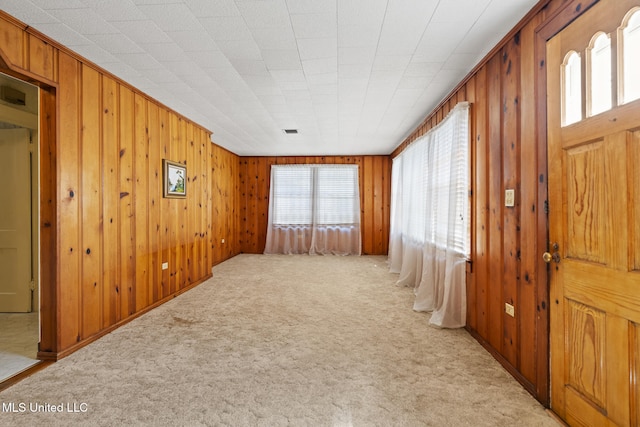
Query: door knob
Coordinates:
[555,256]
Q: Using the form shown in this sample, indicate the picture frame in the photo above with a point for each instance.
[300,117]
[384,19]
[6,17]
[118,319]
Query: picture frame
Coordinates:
[175,179]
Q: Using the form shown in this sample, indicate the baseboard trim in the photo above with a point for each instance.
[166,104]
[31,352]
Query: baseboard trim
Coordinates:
[24,374]
[55,356]
[528,385]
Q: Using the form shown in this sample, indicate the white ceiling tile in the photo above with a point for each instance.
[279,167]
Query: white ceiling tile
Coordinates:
[226,28]
[115,43]
[402,31]
[264,14]
[206,8]
[354,71]
[139,61]
[355,75]
[356,55]
[460,61]
[28,12]
[240,49]
[282,59]
[356,36]
[314,67]
[309,26]
[171,17]
[84,21]
[421,69]
[288,76]
[317,48]
[450,12]
[274,38]
[58,4]
[142,31]
[209,59]
[311,7]
[395,63]
[165,52]
[250,67]
[125,11]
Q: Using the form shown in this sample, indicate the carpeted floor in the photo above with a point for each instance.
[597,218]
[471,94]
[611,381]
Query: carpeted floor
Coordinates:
[279,341]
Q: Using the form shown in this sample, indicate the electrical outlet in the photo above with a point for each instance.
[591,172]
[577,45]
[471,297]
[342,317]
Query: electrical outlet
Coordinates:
[222,241]
[165,265]
[510,198]
[509,309]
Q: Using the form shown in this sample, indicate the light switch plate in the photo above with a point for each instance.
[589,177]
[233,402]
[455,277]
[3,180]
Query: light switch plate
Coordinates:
[165,265]
[510,198]
[509,309]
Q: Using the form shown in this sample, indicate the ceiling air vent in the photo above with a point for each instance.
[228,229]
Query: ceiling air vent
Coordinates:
[290,131]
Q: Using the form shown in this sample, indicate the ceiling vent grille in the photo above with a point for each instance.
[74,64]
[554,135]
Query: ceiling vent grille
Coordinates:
[290,131]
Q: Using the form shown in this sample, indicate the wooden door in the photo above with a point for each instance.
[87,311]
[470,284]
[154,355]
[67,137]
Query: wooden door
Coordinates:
[594,214]
[15,221]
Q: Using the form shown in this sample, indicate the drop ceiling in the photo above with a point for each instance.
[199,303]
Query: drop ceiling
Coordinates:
[352,76]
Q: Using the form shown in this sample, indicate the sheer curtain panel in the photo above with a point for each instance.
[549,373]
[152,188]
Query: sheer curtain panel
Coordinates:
[314,209]
[429,235]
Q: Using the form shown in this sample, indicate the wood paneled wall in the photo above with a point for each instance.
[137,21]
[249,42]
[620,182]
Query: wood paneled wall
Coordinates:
[507,242]
[106,230]
[225,170]
[375,189]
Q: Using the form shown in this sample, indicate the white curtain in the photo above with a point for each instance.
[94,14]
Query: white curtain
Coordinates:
[314,209]
[429,235]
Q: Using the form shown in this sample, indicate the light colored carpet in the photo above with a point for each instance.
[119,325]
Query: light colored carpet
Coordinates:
[276,340]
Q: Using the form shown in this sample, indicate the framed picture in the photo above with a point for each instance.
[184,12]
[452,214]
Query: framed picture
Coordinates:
[175,179]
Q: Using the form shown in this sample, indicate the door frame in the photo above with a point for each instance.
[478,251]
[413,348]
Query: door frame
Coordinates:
[543,33]
[47,227]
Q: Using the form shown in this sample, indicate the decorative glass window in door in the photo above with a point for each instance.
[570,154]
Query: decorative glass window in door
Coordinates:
[572,96]
[631,58]
[599,72]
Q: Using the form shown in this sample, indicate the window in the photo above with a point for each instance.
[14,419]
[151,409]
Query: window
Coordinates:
[429,240]
[572,81]
[600,74]
[292,196]
[598,69]
[314,209]
[631,58]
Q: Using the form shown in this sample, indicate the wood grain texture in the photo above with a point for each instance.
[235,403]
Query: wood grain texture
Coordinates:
[375,188]
[106,229]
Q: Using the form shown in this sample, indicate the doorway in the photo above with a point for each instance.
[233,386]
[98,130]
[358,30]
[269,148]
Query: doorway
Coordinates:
[594,215]
[19,230]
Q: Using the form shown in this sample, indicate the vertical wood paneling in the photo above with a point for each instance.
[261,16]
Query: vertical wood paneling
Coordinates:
[127,249]
[495,197]
[191,212]
[42,58]
[528,205]
[254,177]
[111,203]
[511,180]
[106,229]
[91,193]
[156,229]
[165,216]
[144,277]
[48,218]
[69,208]
[12,40]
